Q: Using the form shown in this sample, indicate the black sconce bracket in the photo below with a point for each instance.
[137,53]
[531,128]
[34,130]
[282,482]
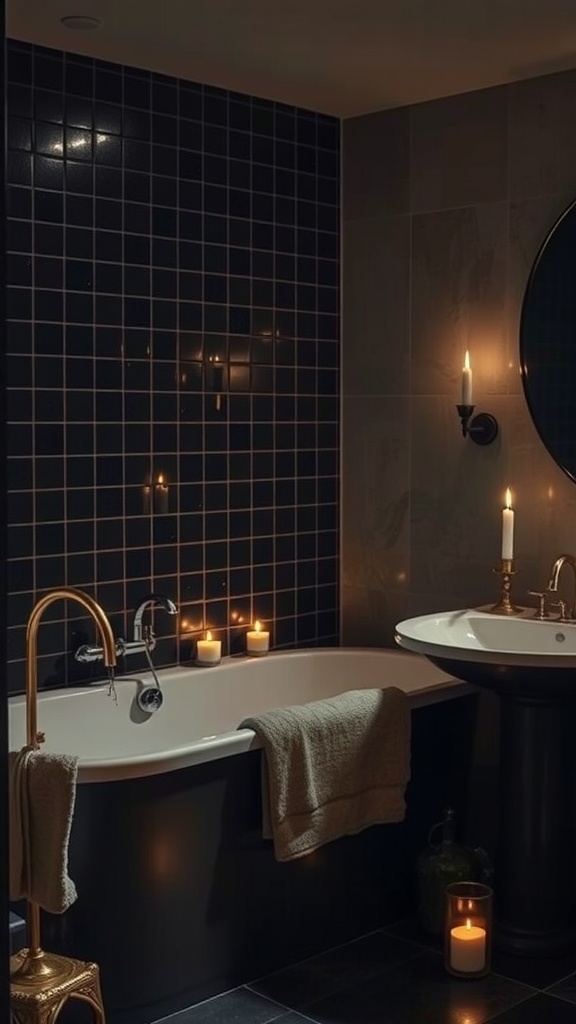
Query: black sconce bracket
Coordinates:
[482,428]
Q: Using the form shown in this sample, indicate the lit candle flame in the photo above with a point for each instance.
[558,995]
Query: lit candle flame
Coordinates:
[508,498]
[209,635]
[257,626]
[467,360]
[468,925]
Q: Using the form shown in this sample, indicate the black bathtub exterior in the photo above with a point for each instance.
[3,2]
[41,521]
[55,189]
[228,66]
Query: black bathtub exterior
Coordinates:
[180,898]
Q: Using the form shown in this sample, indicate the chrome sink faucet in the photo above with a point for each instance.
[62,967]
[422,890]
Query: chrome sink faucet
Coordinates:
[143,638]
[567,613]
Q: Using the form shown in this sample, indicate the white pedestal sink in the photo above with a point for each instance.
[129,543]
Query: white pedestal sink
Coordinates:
[531,665]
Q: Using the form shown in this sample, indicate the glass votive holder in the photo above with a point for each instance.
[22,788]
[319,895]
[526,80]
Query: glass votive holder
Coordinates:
[468,929]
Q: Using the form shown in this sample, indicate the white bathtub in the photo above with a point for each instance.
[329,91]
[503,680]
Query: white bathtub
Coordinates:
[203,707]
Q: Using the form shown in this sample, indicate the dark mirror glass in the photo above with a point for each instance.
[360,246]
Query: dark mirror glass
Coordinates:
[548,342]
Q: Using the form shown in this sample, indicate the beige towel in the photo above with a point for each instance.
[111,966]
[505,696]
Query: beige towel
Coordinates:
[42,790]
[332,767]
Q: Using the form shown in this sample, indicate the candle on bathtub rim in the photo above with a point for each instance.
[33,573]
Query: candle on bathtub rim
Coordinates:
[257,640]
[508,527]
[208,651]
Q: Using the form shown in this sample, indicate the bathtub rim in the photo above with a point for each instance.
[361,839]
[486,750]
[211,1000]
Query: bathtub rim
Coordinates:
[231,742]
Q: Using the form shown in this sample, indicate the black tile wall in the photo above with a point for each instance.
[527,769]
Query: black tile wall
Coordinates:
[173,358]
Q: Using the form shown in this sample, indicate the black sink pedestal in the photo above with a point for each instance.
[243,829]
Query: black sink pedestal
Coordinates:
[535,891]
[535,870]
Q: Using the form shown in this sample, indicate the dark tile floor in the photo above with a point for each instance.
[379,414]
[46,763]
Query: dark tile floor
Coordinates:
[396,976]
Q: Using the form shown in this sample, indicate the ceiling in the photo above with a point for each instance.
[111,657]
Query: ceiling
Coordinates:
[341,57]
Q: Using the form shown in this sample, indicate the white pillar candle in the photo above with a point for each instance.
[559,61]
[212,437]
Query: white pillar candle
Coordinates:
[257,640]
[508,527]
[466,381]
[208,651]
[468,948]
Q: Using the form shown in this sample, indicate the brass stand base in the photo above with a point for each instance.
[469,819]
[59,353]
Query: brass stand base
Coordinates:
[39,988]
[504,605]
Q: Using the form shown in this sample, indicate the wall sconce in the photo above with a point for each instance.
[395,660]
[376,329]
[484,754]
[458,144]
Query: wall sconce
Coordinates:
[482,428]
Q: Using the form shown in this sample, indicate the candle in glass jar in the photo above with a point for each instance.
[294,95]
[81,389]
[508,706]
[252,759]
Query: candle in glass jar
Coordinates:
[468,948]
[208,651]
[508,527]
[257,640]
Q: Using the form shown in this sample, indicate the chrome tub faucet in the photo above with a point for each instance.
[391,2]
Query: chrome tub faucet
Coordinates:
[143,637]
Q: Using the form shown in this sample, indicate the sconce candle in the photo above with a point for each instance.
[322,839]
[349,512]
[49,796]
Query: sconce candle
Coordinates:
[508,527]
[466,381]
[257,640]
[208,651]
[161,496]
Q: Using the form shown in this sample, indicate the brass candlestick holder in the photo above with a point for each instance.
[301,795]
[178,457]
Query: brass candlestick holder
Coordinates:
[504,606]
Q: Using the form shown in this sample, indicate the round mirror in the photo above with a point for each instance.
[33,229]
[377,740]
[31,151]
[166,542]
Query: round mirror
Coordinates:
[548,342]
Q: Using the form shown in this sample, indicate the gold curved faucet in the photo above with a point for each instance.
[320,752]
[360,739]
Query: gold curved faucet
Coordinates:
[38,963]
[559,564]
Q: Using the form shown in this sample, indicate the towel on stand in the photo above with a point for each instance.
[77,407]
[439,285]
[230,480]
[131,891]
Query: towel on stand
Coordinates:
[42,791]
[332,767]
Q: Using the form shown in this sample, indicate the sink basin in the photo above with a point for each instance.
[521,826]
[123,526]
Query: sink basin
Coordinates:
[472,635]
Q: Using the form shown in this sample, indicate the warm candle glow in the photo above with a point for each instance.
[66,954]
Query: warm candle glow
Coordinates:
[208,651]
[468,948]
[466,381]
[257,639]
[508,527]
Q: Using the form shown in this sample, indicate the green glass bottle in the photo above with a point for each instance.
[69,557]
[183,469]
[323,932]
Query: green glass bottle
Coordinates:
[441,864]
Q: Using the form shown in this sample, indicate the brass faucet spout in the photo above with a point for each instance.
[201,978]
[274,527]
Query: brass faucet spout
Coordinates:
[106,635]
[38,964]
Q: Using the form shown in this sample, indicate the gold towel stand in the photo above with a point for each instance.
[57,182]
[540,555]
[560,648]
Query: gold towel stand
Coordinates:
[41,982]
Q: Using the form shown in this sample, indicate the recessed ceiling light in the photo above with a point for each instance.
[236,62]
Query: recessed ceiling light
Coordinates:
[81,23]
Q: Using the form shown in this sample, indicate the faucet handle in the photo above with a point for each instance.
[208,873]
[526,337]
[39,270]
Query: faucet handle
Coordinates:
[565,614]
[563,606]
[541,612]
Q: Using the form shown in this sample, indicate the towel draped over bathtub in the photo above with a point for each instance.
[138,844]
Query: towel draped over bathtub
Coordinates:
[42,791]
[332,767]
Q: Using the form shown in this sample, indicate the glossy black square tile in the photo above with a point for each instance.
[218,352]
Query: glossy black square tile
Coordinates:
[240,1005]
[99,144]
[419,989]
[539,1009]
[352,964]
[540,972]
[565,988]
